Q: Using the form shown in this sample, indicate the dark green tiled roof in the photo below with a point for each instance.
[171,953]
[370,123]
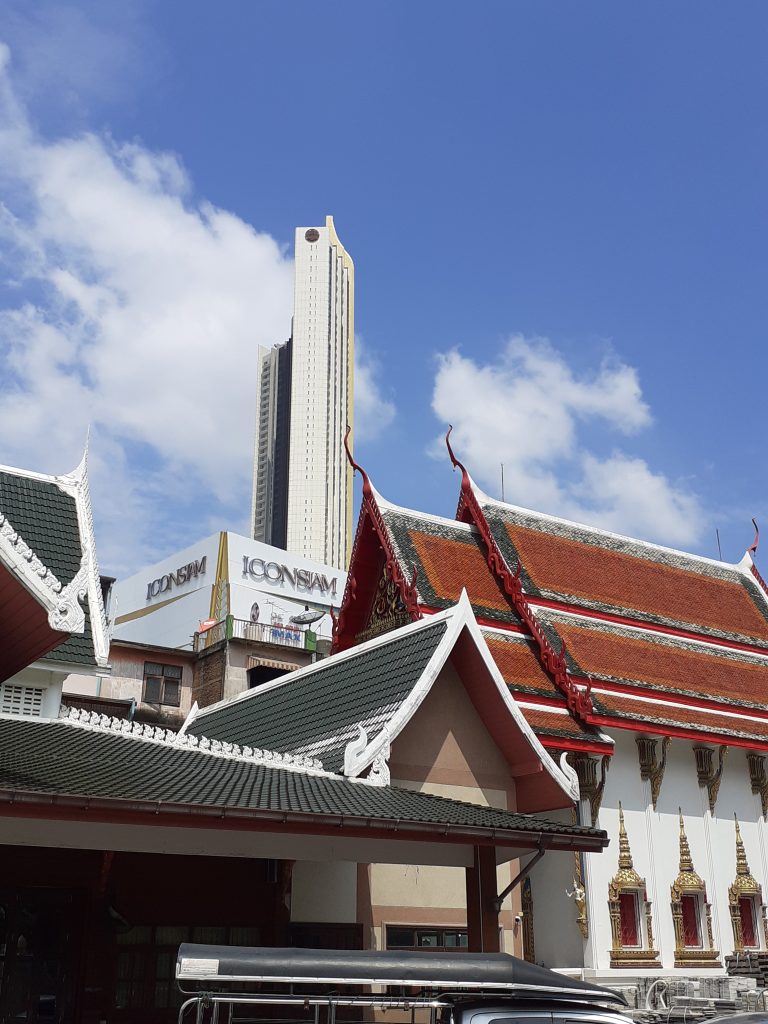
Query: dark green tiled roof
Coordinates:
[46,518]
[318,713]
[77,649]
[60,758]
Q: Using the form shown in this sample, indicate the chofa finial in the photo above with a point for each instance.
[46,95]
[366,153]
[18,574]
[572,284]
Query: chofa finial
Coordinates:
[367,489]
[456,464]
[752,549]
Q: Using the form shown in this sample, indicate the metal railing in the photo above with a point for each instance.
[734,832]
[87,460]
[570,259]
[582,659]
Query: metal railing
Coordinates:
[256,632]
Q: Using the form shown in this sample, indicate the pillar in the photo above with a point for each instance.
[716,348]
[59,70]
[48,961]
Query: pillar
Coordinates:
[482,915]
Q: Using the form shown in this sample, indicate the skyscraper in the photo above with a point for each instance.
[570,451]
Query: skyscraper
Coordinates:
[302,485]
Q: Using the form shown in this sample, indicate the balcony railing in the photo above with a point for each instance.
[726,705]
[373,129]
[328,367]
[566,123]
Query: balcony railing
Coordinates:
[256,632]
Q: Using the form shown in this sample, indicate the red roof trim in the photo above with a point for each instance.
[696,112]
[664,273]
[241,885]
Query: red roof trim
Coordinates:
[371,511]
[759,579]
[578,699]
[559,743]
[678,732]
[651,627]
[667,697]
[482,620]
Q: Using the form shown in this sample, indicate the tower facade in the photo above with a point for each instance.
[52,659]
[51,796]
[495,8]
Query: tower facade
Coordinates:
[302,485]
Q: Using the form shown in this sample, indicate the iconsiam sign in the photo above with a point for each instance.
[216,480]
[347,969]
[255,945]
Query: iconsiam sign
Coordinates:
[302,579]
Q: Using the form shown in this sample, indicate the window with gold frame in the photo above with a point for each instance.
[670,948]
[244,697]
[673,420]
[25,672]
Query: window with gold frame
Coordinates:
[630,912]
[691,913]
[745,901]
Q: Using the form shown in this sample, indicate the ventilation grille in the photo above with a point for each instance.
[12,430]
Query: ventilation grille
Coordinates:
[21,700]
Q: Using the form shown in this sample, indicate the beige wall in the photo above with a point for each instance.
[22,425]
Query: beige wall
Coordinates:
[445,749]
[126,681]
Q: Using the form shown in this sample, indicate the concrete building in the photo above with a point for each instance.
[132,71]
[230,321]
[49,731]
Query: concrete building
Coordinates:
[206,623]
[302,484]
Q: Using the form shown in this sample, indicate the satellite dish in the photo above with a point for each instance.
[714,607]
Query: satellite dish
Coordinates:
[305,618]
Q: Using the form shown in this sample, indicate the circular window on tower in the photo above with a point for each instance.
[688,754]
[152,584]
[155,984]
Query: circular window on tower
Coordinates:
[311,234]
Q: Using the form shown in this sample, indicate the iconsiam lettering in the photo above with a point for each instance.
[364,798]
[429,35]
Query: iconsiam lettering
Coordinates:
[302,579]
[164,584]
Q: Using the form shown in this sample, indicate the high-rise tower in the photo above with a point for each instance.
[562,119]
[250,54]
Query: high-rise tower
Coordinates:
[302,484]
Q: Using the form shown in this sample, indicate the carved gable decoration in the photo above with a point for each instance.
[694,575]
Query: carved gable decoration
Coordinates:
[388,610]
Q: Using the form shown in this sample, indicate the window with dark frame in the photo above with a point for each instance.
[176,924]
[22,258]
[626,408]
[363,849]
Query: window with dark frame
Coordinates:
[406,937]
[162,684]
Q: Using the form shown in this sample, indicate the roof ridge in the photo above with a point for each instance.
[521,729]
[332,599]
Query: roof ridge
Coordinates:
[92,720]
[389,506]
[486,499]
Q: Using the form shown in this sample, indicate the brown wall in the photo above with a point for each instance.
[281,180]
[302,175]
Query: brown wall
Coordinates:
[445,749]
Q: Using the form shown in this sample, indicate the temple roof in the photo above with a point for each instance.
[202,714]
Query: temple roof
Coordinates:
[107,763]
[542,703]
[347,709]
[590,623]
[318,710]
[652,661]
[48,572]
[593,569]
[449,557]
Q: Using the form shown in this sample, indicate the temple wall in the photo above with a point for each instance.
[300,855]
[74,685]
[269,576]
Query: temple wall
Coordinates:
[557,939]
[654,842]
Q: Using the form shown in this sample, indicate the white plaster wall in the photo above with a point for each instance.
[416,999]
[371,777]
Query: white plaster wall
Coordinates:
[654,841]
[49,681]
[324,892]
[557,939]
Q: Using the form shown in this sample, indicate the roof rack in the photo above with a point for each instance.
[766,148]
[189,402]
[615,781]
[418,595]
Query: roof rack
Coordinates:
[432,980]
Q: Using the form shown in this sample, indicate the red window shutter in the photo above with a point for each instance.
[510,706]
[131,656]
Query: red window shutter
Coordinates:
[691,925]
[747,914]
[630,932]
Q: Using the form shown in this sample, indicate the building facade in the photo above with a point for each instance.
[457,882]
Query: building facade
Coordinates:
[302,485]
[646,668]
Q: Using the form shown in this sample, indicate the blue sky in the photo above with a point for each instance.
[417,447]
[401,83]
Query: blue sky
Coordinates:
[557,214]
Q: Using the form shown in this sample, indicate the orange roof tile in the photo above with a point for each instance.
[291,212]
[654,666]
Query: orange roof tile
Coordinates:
[596,574]
[451,565]
[620,707]
[648,660]
[519,665]
[550,723]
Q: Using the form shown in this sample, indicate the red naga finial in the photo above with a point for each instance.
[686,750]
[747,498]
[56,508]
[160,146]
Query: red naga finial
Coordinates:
[752,549]
[456,464]
[367,489]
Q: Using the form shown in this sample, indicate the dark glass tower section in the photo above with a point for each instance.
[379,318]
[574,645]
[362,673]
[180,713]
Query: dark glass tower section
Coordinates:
[281,451]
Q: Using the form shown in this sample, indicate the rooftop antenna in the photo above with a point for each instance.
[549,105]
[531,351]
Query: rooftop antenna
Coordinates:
[502,481]
[719,549]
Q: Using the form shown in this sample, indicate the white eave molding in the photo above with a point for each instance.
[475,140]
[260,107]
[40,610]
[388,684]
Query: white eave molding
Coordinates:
[63,604]
[361,753]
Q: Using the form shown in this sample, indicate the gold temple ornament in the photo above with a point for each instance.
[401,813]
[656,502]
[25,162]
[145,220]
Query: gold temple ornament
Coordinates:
[626,894]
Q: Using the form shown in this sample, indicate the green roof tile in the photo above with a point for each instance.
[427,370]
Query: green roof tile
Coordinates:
[318,712]
[46,518]
[61,758]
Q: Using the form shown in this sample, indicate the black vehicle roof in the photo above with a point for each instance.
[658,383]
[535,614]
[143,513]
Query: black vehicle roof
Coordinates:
[446,972]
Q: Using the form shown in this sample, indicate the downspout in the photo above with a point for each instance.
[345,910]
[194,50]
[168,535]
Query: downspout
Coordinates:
[524,870]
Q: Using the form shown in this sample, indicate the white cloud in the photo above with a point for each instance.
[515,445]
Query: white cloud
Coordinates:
[525,411]
[373,412]
[132,307]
